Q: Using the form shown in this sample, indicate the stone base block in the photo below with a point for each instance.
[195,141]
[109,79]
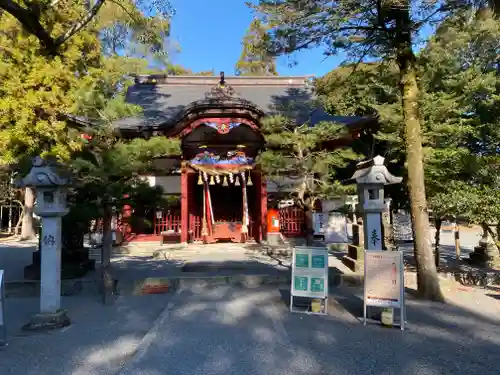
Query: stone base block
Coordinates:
[354,264]
[337,247]
[48,321]
[356,252]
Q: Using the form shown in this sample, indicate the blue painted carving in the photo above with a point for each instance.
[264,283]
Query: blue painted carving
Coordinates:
[232,157]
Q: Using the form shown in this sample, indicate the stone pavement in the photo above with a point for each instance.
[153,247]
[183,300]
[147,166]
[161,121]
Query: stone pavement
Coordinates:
[224,330]
[100,339]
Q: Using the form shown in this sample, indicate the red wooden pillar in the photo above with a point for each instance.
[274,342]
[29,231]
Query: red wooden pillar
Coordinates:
[191,204]
[184,204]
[263,206]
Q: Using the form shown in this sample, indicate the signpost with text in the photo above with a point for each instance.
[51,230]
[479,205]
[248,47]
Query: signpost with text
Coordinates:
[309,276]
[384,281]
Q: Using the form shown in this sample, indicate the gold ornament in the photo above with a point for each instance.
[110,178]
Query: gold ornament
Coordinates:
[249,180]
[237,181]
[212,182]
[224,181]
[200,181]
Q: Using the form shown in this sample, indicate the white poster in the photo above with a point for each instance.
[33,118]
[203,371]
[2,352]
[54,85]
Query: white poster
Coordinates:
[319,223]
[336,228]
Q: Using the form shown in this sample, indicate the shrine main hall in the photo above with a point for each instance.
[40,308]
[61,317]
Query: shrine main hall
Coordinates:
[222,192]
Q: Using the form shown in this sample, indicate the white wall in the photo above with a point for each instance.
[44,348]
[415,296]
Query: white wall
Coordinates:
[170,184]
[282,185]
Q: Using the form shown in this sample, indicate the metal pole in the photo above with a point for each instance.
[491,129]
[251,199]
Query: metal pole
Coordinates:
[10,217]
[364,292]
[402,292]
[3,328]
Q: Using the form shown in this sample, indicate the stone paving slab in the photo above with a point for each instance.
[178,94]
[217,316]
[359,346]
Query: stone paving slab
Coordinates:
[225,330]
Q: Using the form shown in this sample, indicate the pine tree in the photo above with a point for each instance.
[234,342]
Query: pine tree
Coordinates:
[299,150]
[107,171]
[254,60]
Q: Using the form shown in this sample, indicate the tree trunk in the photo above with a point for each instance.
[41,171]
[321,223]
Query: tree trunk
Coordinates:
[107,243]
[495,7]
[427,276]
[309,226]
[437,240]
[28,227]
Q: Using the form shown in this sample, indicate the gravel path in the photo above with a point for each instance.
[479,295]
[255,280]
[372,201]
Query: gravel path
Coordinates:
[100,339]
[233,331]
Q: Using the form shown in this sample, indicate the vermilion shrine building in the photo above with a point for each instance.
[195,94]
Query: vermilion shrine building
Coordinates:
[223,193]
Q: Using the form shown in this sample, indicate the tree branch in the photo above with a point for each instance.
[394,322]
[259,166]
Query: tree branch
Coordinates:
[30,19]
[30,22]
[80,24]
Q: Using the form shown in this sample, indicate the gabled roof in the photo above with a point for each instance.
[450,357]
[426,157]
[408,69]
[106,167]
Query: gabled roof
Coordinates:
[165,98]
[166,101]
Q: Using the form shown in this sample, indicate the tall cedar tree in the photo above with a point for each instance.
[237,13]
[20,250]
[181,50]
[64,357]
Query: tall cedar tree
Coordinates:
[371,29]
[254,59]
[147,21]
[298,151]
[460,126]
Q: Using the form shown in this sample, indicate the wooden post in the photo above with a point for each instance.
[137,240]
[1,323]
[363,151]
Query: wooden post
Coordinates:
[184,204]
[263,206]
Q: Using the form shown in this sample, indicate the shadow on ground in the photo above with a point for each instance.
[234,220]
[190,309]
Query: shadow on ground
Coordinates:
[224,330]
[99,341]
[227,330]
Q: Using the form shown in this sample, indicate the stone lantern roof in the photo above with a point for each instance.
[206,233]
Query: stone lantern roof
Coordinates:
[374,171]
[44,174]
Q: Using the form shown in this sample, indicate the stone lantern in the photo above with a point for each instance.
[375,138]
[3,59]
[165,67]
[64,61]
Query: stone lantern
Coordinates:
[51,206]
[371,176]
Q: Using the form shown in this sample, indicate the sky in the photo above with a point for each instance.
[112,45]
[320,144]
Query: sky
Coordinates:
[209,33]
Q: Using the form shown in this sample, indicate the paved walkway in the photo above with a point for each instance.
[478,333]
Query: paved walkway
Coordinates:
[233,331]
[226,330]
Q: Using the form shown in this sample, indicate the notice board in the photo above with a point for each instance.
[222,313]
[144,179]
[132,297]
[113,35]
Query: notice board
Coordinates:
[384,284]
[310,272]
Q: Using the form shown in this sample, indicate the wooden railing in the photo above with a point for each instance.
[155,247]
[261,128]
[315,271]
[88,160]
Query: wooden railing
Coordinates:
[292,221]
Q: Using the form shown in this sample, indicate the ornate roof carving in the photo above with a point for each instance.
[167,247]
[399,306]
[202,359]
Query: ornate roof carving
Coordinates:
[221,91]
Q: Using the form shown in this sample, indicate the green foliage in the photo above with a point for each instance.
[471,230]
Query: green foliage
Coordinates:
[37,89]
[461,105]
[108,171]
[131,27]
[254,59]
[300,152]
[458,105]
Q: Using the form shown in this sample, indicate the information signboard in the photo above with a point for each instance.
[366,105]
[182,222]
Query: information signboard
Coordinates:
[309,274]
[3,329]
[401,227]
[384,281]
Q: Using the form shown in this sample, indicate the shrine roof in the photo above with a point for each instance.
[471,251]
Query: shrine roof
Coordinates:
[164,99]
